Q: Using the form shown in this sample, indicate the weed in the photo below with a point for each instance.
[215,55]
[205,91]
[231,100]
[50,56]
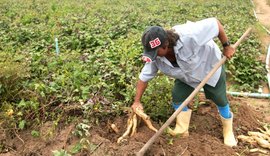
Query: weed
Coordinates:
[35,133]
[196,102]
[60,153]
[235,107]
[82,129]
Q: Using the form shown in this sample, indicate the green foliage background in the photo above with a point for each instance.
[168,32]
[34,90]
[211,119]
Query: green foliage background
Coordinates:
[100,53]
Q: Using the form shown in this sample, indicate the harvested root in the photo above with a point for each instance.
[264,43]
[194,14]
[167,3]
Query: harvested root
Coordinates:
[127,132]
[133,122]
[261,138]
[134,126]
[263,143]
[260,135]
[150,126]
[146,119]
[141,114]
[258,150]
[114,128]
[248,139]
[266,132]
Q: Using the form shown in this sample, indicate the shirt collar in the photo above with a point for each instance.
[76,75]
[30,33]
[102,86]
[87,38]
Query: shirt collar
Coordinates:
[165,60]
[178,46]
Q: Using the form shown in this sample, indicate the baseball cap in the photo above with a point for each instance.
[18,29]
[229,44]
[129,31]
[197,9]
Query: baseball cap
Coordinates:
[152,38]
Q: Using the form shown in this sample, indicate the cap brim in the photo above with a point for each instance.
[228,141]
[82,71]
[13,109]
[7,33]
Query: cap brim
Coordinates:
[151,54]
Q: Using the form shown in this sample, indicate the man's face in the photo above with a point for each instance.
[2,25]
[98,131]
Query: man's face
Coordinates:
[162,51]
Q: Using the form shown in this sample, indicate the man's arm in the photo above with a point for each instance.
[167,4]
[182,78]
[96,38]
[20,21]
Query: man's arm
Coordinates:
[228,50]
[141,86]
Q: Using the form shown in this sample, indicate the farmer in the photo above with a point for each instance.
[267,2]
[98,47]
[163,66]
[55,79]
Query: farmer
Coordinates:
[187,53]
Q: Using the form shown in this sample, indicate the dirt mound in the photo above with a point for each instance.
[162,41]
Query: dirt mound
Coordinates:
[205,136]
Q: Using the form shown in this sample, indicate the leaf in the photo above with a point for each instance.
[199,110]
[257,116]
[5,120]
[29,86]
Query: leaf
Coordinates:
[22,124]
[35,133]
[77,148]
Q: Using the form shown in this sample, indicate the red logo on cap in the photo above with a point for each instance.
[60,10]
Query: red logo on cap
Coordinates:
[146,59]
[154,43]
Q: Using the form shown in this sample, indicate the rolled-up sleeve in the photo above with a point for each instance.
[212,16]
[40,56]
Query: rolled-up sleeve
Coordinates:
[205,30]
[148,72]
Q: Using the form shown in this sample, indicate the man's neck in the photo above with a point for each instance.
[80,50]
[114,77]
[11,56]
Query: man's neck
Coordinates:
[170,55]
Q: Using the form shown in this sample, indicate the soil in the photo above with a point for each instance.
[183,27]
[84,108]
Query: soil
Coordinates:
[205,137]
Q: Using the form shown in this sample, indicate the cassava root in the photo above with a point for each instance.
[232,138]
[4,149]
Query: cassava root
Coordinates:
[261,138]
[133,122]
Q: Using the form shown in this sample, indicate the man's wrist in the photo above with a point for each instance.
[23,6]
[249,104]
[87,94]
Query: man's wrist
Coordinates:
[137,100]
[226,44]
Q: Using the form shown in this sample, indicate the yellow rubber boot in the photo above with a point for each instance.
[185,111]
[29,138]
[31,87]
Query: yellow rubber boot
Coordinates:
[182,124]
[228,135]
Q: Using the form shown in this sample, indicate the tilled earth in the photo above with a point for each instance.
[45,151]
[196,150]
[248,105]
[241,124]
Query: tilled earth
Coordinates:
[205,135]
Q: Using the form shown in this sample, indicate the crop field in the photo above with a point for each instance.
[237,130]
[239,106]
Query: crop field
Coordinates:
[74,64]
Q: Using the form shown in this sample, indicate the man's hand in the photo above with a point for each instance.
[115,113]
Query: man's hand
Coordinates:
[228,51]
[136,105]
